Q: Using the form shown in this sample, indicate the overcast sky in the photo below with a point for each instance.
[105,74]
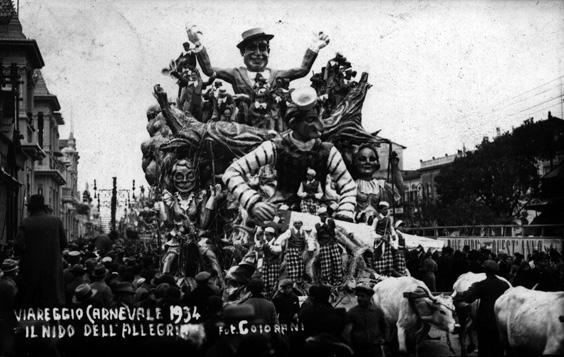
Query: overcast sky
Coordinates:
[444,73]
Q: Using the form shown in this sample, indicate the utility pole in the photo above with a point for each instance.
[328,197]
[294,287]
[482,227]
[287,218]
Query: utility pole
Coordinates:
[113,205]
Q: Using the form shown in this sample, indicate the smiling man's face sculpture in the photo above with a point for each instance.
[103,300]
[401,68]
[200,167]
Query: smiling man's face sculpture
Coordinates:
[255,54]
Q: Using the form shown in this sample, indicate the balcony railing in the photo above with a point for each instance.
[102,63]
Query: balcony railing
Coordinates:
[531,230]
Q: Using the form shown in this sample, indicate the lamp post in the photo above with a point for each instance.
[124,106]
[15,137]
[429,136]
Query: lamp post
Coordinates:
[114,204]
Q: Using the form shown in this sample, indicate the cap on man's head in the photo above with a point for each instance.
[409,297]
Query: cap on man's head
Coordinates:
[364,288]
[383,204]
[311,172]
[9,265]
[286,282]
[253,34]
[490,266]
[100,271]
[74,253]
[239,312]
[203,277]
[256,286]
[322,210]
[82,292]
[304,98]
[270,230]
[36,202]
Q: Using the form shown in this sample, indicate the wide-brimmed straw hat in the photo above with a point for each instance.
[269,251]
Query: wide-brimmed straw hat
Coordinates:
[252,34]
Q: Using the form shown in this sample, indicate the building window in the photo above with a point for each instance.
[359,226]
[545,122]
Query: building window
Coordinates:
[7,107]
[40,129]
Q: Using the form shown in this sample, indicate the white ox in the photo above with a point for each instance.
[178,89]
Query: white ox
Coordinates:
[465,312]
[531,322]
[410,307]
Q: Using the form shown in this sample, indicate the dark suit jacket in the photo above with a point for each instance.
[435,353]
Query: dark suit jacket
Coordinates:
[41,239]
[238,78]
[487,291]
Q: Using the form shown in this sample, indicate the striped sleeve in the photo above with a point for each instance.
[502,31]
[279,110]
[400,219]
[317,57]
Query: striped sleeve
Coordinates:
[345,185]
[234,176]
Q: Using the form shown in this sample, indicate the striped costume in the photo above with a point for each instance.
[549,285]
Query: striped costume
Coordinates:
[291,158]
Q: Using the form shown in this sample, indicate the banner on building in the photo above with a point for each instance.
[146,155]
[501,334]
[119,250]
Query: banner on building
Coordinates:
[509,245]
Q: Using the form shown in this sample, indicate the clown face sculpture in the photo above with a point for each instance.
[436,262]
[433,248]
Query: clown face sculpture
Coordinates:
[184,177]
[366,162]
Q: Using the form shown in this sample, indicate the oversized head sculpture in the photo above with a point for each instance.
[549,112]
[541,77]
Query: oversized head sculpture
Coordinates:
[302,117]
[184,176]
[255,49]
[366,162]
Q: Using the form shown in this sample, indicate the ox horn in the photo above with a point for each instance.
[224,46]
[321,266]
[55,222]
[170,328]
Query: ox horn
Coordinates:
[427,293]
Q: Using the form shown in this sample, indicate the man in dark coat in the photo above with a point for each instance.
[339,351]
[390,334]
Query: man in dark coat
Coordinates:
[366,327]
[320,317]
[199,297]
[487,291]
[286,302]
[265,312]
[40,242]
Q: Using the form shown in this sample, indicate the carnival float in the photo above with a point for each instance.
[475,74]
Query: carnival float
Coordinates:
[251,176]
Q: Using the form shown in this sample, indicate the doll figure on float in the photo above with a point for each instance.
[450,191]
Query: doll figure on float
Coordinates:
[370,189]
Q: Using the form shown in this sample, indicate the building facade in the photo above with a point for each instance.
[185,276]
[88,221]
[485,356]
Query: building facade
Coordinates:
[75,213]
[50,171]
[19,59]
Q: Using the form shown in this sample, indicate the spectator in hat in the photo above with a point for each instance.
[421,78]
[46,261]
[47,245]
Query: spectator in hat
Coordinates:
[265,312]
[428,268]
[286,302]
[199,296]
[123,293]
[8,292]
[89,265]
[78,277]
[487,291]
[103,244]
[40,242]
[213,320]
[366,326]
[320,316]
[105,297]
[227,344]
[83,295]
[299,148]
[310,193]
[255,49]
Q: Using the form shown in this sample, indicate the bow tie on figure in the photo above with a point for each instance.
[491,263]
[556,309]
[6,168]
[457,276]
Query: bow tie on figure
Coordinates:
[259,105]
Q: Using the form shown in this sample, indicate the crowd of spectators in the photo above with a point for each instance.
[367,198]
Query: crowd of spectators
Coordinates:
[439,270]
[123,276]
